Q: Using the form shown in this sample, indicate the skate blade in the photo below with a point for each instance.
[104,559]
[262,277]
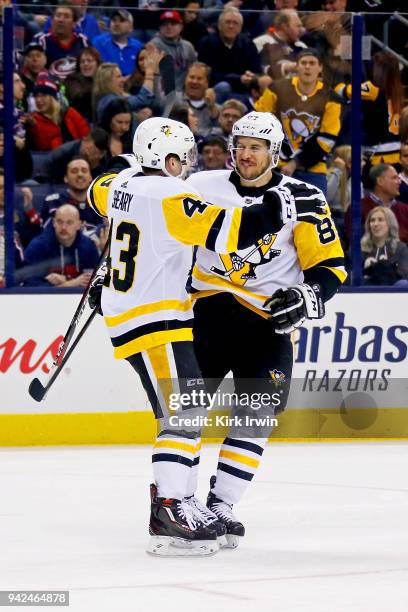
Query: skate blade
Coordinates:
[165,546]
[222,541]
[232,541]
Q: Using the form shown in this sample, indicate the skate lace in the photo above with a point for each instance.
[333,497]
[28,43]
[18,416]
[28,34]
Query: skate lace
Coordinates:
[223,510]
[185,511]
[200,511]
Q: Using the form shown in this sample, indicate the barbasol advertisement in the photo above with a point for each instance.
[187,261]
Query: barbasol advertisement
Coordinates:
[356,357]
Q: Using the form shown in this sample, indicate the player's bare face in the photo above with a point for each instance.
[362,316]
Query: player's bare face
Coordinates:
[252,157]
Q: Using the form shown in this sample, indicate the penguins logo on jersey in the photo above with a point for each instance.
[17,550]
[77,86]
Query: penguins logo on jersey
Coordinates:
[299,126]
[166,130]
[277,377]
[241,266]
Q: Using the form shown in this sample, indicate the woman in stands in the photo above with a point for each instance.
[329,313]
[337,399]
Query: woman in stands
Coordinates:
[385,257]
[79,84]
[110,85]
[135,81]
[50,125]
[117,121]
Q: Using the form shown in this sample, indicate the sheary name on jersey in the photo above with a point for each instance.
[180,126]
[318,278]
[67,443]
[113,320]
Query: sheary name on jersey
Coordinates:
[146,303]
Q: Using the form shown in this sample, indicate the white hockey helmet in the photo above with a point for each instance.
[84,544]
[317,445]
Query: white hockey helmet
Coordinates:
[258,125]
[158,137]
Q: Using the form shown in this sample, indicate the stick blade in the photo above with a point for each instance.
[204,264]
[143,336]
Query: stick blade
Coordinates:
[37,390]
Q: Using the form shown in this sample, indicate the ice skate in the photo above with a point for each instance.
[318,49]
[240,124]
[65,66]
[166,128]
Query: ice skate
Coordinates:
[223,512]
[208,518]
[177,531]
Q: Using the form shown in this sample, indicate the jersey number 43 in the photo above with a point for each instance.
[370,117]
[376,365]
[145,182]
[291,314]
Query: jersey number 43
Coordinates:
[122,280]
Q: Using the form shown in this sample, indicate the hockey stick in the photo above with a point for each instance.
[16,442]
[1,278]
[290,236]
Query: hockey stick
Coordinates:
[243,260]
[36,389]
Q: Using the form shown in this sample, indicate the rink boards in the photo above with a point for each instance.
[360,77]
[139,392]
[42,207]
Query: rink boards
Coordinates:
[350,377]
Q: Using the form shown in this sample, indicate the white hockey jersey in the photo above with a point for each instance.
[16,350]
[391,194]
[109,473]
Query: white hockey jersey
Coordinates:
[275,261]
[155,220]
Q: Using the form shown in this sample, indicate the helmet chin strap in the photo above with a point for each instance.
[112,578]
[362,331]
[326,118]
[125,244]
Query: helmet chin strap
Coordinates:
[268,169]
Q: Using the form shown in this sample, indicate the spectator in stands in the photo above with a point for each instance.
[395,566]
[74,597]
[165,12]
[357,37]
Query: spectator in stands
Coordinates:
[194,29]
[338,180]
[170,41]
[117,121]
[109,85]
[382,101]
[232,57]
[185,114]
[135,81]
[79,84]
[34,63]
[310,113]
[62,44]
[385,257]
[118,46]
[286,4]
[22,157]
[403,175]
[336,6]
[230,112]
[87,24]
[385,189]
[27,222]
[18,250]
[214,153]
[77,179]
[325,32]
[339,185]
[93,148]
[201,97]
[49,126]
[404,124]
[280,44]
[62,256]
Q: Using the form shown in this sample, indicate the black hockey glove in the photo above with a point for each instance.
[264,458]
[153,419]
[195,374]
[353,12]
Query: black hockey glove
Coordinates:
[296,202]
[95,290]
[290,307]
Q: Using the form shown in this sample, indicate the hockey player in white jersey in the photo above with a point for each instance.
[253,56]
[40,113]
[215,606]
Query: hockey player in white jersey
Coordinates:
[155,219]
[249,300]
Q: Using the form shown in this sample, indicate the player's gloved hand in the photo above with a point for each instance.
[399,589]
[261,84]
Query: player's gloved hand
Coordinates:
[290,307]
[296,202]
[95,290]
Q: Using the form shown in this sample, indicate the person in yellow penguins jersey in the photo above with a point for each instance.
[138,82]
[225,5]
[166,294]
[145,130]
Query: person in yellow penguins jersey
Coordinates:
[156,218]
[310,113]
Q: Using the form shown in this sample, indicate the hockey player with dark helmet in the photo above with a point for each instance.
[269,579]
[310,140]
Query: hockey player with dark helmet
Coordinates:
[249,301]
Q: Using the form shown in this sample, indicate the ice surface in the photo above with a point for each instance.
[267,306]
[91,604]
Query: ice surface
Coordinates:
[327,531]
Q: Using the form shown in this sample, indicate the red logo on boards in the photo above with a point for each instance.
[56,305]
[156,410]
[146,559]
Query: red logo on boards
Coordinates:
[28,356]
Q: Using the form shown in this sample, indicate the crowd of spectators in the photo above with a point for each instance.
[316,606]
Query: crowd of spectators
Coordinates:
[86,76]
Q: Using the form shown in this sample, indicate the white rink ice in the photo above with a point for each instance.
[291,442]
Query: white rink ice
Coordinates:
[327,531]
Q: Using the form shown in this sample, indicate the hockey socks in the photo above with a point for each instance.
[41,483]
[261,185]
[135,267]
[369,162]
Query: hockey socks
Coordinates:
[238,461]
[173,460]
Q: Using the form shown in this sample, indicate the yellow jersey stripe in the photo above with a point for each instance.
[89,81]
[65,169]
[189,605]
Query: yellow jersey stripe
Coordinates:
[232,241]
[137,311]
[188,448]
[341,274]
[151,340]
[214,280]
[239,458]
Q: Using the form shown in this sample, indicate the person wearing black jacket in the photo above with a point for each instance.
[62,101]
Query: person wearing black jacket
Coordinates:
[232,57]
